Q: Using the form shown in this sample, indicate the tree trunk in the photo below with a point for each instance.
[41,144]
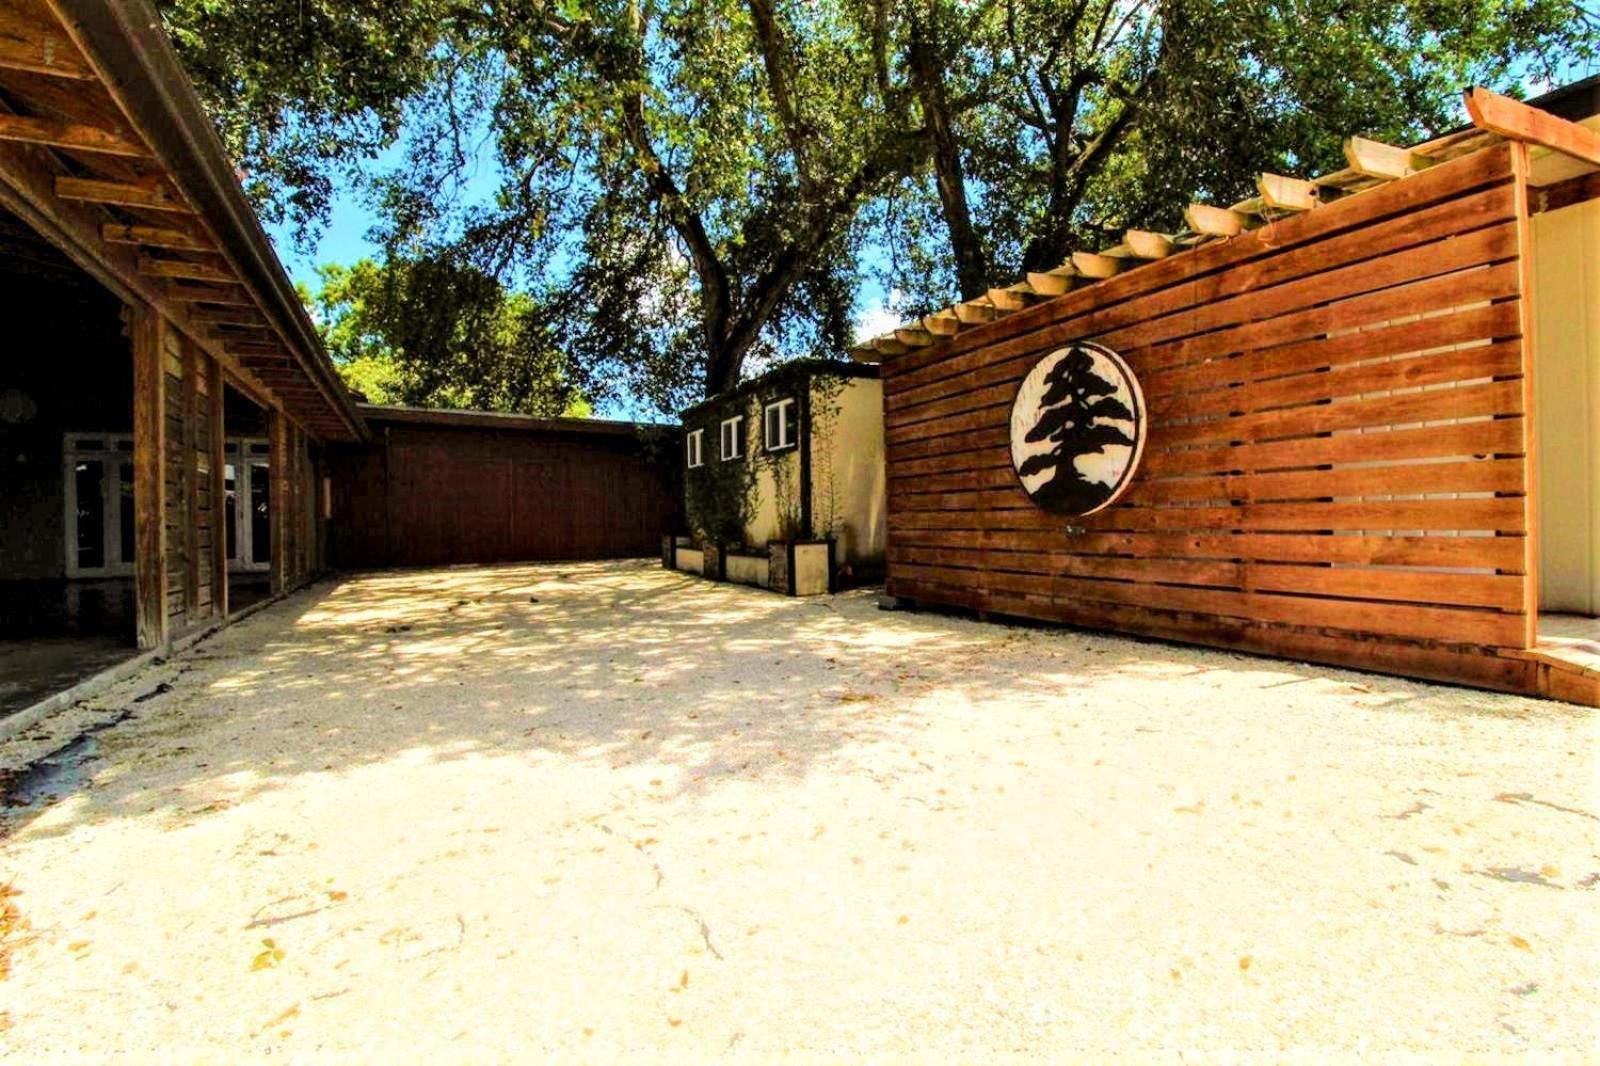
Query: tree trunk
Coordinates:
[972,267]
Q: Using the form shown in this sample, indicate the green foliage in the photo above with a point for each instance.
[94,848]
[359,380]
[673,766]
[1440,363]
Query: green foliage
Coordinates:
[435,334]
[692,187]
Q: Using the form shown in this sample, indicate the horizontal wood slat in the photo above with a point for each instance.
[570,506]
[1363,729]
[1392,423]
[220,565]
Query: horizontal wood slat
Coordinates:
[1336,450]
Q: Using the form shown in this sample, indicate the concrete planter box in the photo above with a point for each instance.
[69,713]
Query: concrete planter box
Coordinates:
[745,567]
[689,559]
[801,567]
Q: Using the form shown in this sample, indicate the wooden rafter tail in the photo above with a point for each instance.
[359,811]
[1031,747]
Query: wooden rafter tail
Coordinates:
[1144,244]
[942,323]
[155,237]
[1007,300]
[1281,193]
[123,194]
[975,312]
[1214,221]
[1374,159]
[1091,265]
[1050,282]
[864,353]
[185,268]
[889,345]
[914,337]
[1517,121]
[56,133]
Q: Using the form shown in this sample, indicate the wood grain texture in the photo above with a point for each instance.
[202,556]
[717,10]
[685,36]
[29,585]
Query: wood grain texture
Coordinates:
[1337,466]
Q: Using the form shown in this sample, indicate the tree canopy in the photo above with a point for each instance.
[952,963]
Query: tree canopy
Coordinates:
[687,189]
[429,334]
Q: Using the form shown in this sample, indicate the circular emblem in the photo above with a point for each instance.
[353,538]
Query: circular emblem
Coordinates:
[1077,429]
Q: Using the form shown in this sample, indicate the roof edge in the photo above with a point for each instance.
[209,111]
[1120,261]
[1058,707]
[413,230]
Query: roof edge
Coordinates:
[127,40]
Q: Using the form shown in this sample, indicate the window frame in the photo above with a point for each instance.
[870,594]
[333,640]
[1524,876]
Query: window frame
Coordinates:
[737,422]
[783,407]
[113,451]
[694,449]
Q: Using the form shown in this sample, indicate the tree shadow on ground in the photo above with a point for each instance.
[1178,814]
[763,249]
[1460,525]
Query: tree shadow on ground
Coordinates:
[606,664]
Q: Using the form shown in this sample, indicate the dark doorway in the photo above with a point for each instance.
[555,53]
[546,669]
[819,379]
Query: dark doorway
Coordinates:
[66,473]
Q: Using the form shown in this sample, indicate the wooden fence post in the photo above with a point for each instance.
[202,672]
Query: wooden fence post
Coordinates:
[190,504]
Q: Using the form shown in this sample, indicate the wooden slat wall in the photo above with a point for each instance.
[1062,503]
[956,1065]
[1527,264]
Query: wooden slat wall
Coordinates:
[1337,461]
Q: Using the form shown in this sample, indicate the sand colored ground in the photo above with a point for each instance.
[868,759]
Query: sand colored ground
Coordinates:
[588,811]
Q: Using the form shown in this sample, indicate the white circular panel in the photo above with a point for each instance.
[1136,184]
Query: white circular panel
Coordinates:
[1077,429]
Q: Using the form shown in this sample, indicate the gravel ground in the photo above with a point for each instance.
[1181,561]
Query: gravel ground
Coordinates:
[595,810]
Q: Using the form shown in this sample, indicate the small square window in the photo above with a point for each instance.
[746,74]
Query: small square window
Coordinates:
[778,428]
[732,438]
[694,443]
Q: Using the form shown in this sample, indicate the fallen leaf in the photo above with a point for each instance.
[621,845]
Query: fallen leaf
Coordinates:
[1518,942]
[1549,871]
[674,1022]
[1244,962]
[271,956]
[905,919]
[683,982]
[77,945]
[337,896]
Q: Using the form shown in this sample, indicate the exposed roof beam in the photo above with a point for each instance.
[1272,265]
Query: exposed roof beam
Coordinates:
[233,296]
[1091,265]
[942,323]
[1374,159]
[155,237]
[1519,122]
[1288,194]
[1214,221]
[56,133]
[121,193]
[185,268]
[1144,244]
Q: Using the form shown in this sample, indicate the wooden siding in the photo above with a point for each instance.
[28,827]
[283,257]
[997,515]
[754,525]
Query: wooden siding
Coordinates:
[431,495]
[1337,460]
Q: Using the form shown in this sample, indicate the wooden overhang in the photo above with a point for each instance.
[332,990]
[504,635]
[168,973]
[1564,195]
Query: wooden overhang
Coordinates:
[1564,154]
[106,151]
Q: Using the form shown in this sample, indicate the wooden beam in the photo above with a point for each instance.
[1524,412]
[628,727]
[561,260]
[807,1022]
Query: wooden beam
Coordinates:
[1091,265]
[278,462]
[55,133]
[942,323]
[232,296]
[1288,194]
[246,348]
[1374,159]
[185,268]
[1214,221]
[51,56]
[916,337]
[227,316]
[1564,194]
[889,345]
[155,237]
[190,504]
[1051,282]
[219,490]
[149,477]
[124,194]
[1143,244]
[974,312]
[1517,121]
[1006,300]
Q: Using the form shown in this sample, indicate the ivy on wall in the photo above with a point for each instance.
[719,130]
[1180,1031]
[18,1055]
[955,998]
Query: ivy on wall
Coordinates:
[721,497]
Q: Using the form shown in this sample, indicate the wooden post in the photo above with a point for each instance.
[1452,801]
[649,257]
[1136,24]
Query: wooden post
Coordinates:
[149,479]
[1521,166]
[191,483]
[278,457]
[219,494]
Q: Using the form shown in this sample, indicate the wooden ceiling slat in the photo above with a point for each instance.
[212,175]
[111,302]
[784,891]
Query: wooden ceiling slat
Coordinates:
[155,237]
[185,268]
[234,296]
[91,190]
[58,133]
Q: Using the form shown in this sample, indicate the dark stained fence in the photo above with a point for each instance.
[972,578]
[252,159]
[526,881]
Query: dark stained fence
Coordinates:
[1337,463]
[496,490]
